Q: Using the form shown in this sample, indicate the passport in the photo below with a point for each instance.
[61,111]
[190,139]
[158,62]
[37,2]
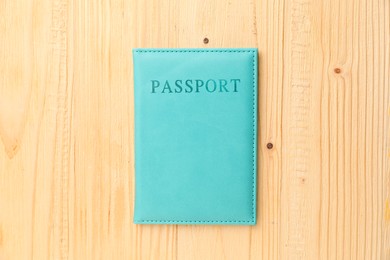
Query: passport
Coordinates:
[195,136]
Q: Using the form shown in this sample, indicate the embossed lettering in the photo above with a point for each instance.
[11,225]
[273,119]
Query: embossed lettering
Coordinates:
[166,86]
[178,88]
[235,81]
[188,86]
[208,88]
[195,86]
[199,83]
[155,84]
[222,85]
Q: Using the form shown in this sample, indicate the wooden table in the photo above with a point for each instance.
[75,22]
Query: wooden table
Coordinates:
[66,127]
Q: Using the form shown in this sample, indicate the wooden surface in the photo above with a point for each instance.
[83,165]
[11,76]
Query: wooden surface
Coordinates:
[66,126]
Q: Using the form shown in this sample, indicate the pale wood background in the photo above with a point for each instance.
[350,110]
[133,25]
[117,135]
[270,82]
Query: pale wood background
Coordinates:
[66,126]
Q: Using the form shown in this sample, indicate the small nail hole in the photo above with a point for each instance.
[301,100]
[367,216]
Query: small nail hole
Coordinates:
[270,145]
[205,40]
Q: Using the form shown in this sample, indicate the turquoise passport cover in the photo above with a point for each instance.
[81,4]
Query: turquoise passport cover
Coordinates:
[195,136]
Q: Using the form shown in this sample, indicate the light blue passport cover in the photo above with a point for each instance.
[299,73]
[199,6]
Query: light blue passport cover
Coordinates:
[195,136]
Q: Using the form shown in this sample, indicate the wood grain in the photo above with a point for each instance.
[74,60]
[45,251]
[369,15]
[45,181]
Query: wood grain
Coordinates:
[66,127]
